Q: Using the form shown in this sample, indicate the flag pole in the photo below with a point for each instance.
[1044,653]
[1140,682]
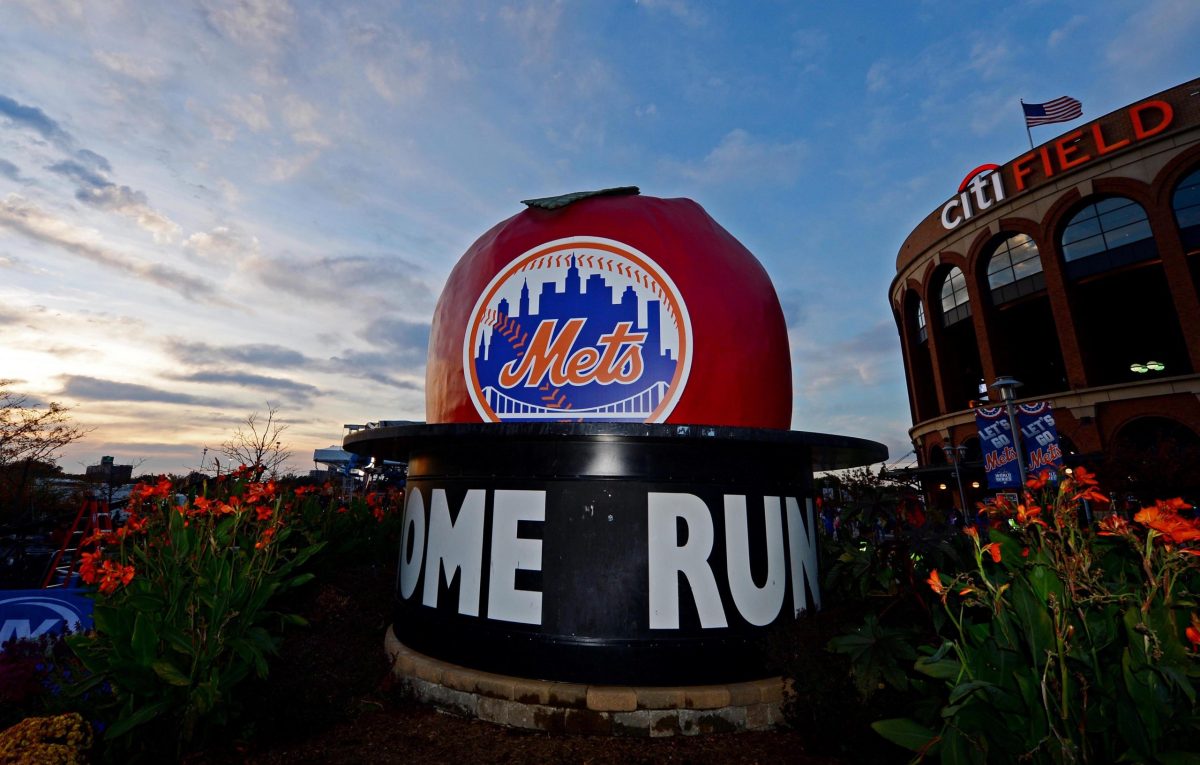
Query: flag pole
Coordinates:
[1028,134]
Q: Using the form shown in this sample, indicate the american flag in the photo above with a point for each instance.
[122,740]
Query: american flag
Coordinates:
[1059,110]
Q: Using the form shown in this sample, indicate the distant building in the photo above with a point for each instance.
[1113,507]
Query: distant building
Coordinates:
[106,471]
[1074,268]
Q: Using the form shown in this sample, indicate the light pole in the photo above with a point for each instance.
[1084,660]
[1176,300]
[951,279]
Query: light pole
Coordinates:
[955,454]
[1007,387]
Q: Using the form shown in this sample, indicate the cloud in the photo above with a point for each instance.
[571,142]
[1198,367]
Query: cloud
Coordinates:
[1061,33]
[18,215]
[32,118]
[989,57]
[251,110]
[682,10]
[301,118]
[740,159]
[95,389]
[536,26]
[1156,33]
[97,191]
[864,359]
[141,68]
[407,341]
[254,24]
[10,171]
[810,47]
[222,243]
[263,355]
[296,391]
[377,367]
[879,77]
[385,282]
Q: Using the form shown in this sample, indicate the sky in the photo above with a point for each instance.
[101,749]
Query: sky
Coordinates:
[211,208]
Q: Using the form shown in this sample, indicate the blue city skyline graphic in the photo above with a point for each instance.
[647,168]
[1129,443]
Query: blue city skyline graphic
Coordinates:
[592,300]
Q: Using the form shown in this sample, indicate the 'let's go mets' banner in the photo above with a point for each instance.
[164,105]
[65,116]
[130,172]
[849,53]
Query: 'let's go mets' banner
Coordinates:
[1038,434]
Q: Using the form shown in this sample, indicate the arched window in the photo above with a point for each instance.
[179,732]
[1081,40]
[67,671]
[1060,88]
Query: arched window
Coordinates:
[1015,269]
[1105,234]
[922,333]
[956,304]
[1186,203]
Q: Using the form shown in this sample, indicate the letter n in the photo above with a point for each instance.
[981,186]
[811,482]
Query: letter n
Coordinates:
[802,544]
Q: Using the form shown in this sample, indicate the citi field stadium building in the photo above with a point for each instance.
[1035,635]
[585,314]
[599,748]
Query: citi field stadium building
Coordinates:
[1074,268]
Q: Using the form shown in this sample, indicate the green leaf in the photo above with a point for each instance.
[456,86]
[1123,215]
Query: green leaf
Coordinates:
[907,733]
[145,639]
[1034,621]
[943,669]
[957,749]
[963,690]
[169,673]
[140,717]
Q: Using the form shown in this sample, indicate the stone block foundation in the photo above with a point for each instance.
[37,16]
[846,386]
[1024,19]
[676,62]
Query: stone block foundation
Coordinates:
[574,708]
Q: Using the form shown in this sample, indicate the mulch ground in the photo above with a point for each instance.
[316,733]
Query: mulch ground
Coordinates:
[330,698]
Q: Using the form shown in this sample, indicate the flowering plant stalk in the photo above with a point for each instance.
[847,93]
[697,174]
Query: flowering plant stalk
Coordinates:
[184,605]
[1062,644]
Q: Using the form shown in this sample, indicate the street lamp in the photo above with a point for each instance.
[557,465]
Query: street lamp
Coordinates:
[1007,387]
[955,455]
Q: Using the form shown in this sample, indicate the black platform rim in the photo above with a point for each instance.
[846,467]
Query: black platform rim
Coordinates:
[829,451]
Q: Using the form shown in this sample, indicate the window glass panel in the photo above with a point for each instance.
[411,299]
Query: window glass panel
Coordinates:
[1121,217]
[1134,232]
[1112,203]
[1121,222]
[1187,201]
[1084,248]
[1081,229]
[1027,268]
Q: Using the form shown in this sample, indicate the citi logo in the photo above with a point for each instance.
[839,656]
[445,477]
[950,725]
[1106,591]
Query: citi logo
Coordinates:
[578,329]
[982,188]
[31,616]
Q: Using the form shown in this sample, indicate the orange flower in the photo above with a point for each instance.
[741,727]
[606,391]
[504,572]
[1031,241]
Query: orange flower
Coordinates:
[267,535]
[1025,552]
[1164,518]
[264,512]
[1114,526]
[1193,632]
[160,490]
[1026,516]
[971,531]
[935,583]
[993,550]
[1038,480]
[89,563]
[114,575]
[260,492]
[1083,478]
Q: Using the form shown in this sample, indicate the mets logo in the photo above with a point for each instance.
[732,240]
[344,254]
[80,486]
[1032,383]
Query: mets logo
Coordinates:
[578,329]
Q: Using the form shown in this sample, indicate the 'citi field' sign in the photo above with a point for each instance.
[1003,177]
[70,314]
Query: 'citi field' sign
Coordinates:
[988,184]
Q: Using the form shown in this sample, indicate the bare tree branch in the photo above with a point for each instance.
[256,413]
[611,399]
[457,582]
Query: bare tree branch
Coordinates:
[257,443]
[29,435]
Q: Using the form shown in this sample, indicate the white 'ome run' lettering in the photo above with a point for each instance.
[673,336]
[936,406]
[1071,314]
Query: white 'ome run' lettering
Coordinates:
[454,548]
[436,547]
[757,605]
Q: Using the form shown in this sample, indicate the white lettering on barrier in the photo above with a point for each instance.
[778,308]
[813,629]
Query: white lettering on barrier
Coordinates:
[511,553]
[414,527]
[757,605]
[668,559]
[802,541]
[455,547]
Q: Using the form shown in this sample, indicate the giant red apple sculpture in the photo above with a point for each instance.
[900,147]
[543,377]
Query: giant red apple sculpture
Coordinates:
[609,307]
